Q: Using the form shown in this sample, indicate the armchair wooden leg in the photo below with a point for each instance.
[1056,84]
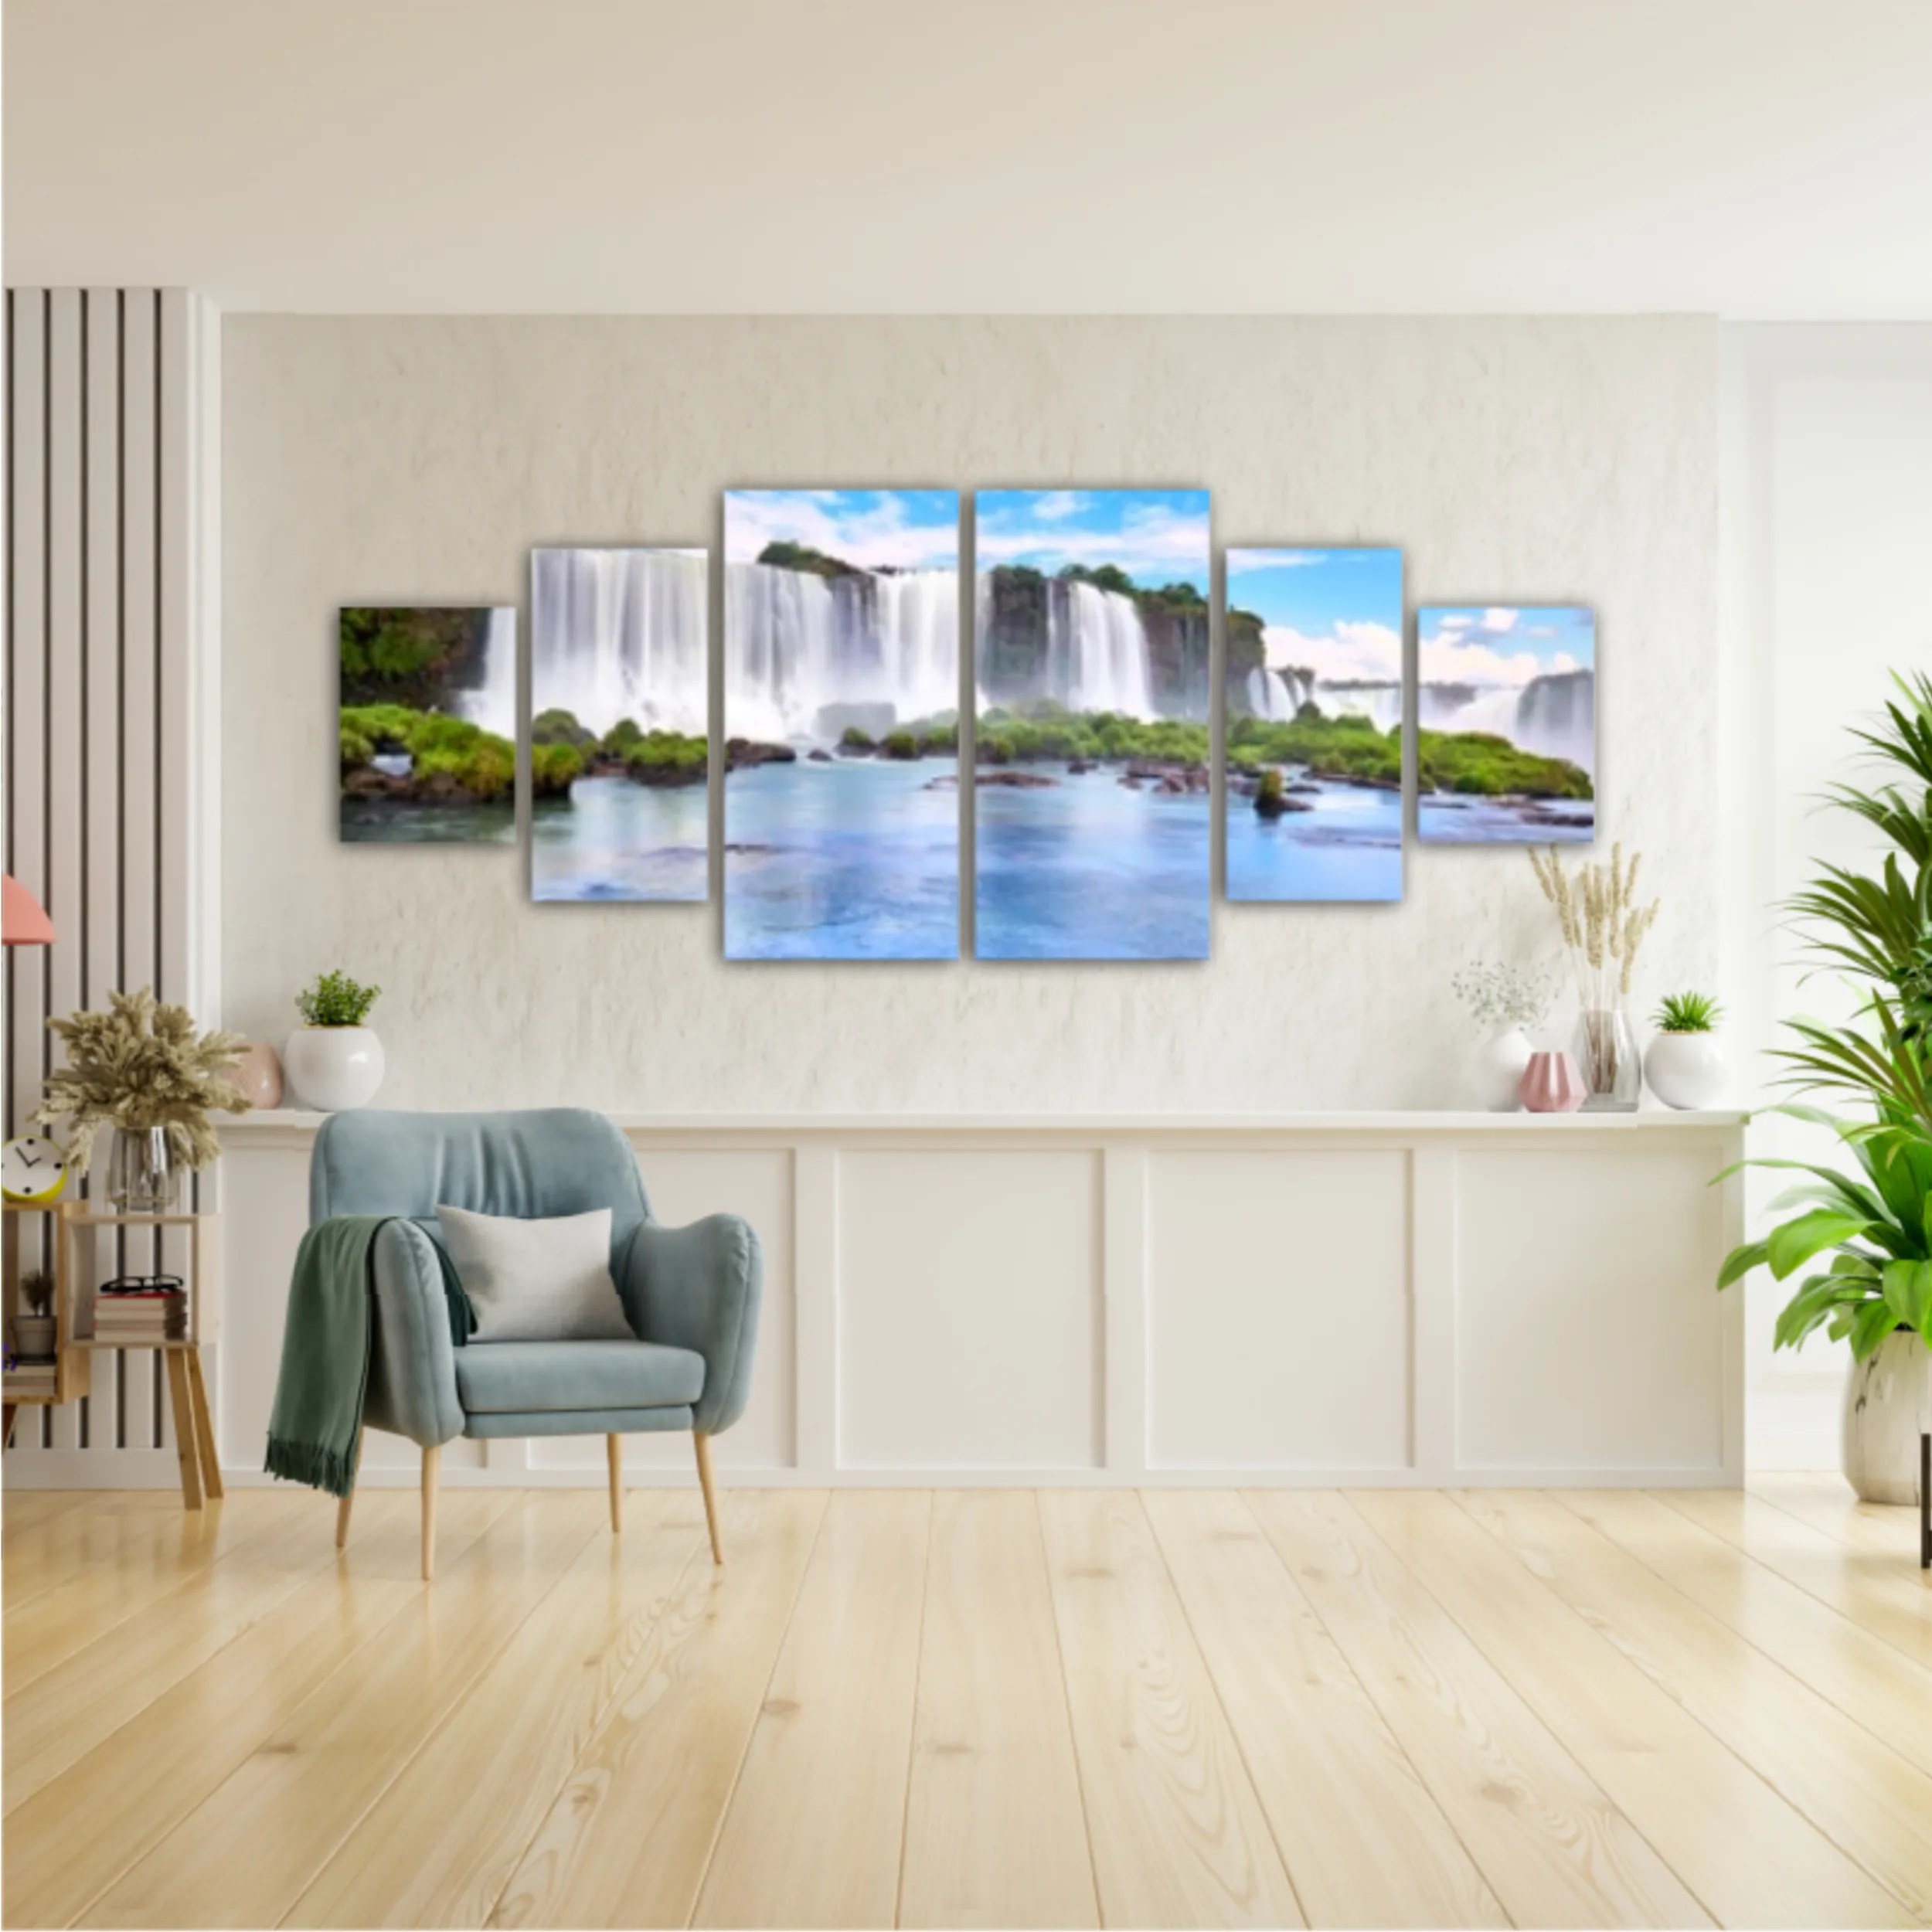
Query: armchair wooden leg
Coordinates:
[614,1452]
[432,1466]
[702,1442]
[347,1503]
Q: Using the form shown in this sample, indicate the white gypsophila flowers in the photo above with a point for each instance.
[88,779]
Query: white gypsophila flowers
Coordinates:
[1499,995]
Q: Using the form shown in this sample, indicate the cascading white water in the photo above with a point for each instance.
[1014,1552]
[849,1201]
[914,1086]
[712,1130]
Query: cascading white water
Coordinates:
[1556,717]
[1277,696]
[1097,656]
[796,643]
[491,702]
[619,633]
[1381,704]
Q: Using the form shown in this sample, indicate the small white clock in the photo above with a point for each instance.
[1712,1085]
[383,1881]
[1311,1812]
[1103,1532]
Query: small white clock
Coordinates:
[32,1170]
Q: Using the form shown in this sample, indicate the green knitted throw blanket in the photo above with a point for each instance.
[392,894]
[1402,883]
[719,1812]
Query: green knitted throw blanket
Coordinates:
[317,1416]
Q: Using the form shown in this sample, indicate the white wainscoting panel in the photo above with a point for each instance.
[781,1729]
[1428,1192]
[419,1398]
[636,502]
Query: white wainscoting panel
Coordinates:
[1589,1334]
[1278,1309]
[1325,1299]
[970,1333]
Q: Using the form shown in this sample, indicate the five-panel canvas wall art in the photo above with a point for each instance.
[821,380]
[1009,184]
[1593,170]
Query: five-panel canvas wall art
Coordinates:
[1089,751]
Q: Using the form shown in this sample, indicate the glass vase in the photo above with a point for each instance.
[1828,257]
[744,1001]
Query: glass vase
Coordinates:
[142,1178]
[1606,1054]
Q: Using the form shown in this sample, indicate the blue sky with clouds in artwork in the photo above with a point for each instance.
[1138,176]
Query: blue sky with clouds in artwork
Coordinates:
[1506,644]
[1157,536]
[1337,611]
[872,529]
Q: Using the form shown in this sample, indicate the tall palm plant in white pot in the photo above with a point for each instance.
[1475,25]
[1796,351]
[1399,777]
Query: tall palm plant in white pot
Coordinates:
[1861,1242]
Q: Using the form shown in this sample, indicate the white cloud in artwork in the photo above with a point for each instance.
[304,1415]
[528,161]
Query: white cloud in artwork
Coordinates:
[1563,661]
[1357,653]
[1454,660]
[1246,562]
[1456,624]
[1150,545]
[881,536]
[1051,506]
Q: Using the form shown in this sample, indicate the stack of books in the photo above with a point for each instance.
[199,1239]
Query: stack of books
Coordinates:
[31,1379]
[140,1318]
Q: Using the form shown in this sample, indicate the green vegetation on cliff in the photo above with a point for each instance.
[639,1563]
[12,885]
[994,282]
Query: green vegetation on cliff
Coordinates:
[1473,762]
[788,555]
[1024,734]
[440,748]
[667,758]
[407,656]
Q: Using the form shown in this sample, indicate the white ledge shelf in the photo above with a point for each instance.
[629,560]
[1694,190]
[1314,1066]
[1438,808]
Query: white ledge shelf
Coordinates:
[283,1120]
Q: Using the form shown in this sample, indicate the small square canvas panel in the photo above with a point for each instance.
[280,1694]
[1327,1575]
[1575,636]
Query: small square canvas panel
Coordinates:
[1091,790]
[842,724]
[427,717]
[619,724]
[1314,710]
[1506,724]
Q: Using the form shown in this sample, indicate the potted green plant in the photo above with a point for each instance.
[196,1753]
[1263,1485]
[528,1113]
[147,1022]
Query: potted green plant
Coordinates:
[33,1331]
[1860,1243]
[143,1068]
[1685,1062]
[333,1060]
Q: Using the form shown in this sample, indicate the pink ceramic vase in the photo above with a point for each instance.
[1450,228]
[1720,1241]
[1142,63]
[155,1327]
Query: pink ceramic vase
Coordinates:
[1551,1084]
[259,1075]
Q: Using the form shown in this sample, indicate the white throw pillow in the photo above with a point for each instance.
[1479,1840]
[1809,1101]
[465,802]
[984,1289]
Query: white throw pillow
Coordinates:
[537,1281]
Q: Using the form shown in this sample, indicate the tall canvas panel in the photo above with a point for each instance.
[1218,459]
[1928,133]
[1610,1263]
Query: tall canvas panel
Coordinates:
[1314,709]
[842,724]
[620,745]
[1506,724]
[1092,665]
[426,711]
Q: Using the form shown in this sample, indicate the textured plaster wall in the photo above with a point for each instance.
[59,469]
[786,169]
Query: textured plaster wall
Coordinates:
[368,459]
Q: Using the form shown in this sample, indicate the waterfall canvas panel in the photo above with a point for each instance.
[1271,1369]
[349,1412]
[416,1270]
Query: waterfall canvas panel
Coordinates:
[842,724]
[1506,724]
[426,710]
[1091,792]
[619,724]
[1314,710]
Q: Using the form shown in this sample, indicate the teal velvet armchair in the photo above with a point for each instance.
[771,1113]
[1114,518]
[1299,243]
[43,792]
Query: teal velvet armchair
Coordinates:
[691,1294]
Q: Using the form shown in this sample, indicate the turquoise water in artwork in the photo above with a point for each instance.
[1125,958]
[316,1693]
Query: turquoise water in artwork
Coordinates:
[1441,819]
[1347,848]
[616,840]
[855,858]
[1090,867]
[374,821]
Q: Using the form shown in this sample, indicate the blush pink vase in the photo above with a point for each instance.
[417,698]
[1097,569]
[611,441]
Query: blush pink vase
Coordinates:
[259,1075]
[1551,1084]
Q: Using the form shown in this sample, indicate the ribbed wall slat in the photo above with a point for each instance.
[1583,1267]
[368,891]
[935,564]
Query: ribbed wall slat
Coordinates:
[104,654]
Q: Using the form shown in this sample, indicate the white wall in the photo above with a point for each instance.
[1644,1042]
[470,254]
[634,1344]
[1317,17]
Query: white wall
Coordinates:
[1827,524]
[419,458]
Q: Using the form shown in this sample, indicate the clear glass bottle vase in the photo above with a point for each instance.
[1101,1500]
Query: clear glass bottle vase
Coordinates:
[142,1178]
[1606,1054]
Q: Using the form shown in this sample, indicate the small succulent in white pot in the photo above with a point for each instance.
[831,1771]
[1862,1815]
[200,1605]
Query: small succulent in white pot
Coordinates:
[332,1060]
[1506,1001]
[1685,1063]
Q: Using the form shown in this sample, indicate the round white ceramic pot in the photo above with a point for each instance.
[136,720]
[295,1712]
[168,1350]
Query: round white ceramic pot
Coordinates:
[1686,1070]
[332,1068]
[1499,1065]
[1888,1405]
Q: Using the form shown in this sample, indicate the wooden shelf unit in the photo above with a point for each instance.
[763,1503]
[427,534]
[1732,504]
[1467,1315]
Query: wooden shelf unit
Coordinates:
[187,1389]
[71,1364]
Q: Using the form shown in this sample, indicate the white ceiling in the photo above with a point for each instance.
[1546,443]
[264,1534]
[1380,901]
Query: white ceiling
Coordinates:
[1758,159]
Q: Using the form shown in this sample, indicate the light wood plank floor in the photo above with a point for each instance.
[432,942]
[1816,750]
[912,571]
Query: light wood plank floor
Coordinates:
[971,1708]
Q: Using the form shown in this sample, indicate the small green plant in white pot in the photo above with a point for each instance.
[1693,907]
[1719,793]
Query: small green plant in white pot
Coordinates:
[333,1060]
[1684,1064]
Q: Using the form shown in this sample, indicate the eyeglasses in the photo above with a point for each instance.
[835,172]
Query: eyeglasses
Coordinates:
[141,1284]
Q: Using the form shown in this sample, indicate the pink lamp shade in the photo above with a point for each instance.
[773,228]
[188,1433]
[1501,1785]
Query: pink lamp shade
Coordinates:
[22,921]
